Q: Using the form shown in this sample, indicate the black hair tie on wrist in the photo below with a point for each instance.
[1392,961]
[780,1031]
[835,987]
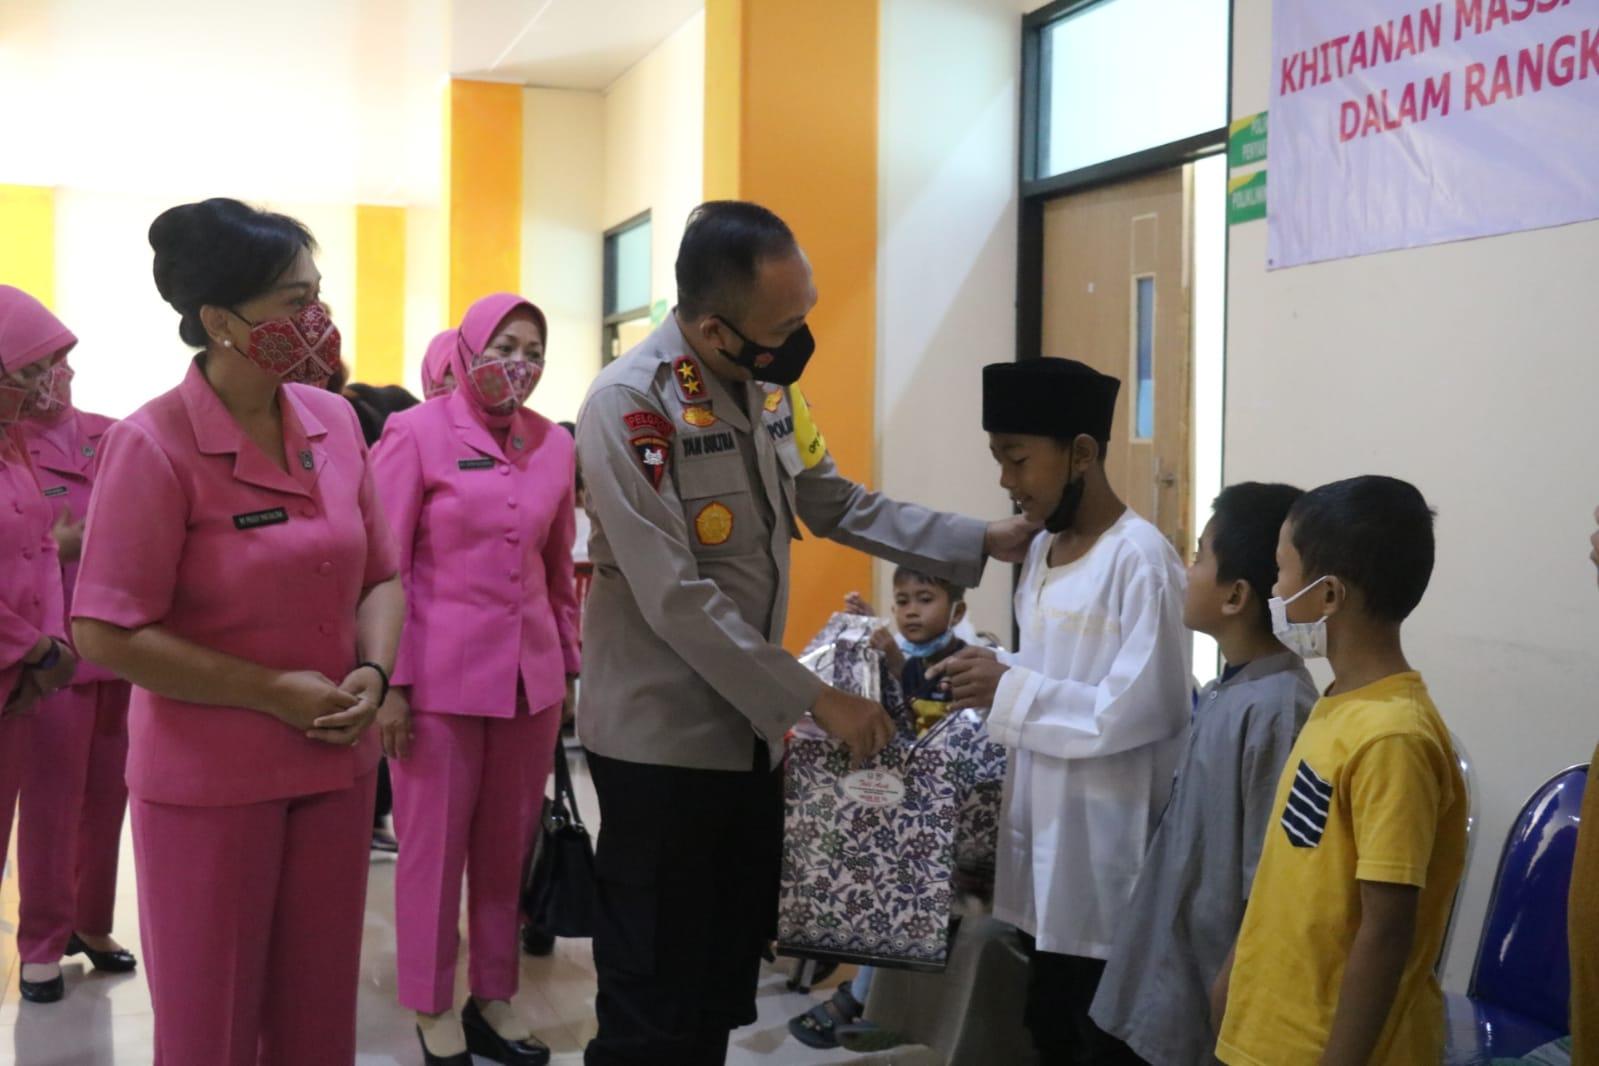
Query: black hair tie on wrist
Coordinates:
[382,673]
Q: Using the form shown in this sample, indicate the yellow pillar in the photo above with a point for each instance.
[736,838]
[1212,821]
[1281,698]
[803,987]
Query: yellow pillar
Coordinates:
[791,123]
[379,295]
[28,240]
[484,201]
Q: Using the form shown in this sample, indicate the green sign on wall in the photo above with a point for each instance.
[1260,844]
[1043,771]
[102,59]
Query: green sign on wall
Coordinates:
[1246,198]
[1246,141]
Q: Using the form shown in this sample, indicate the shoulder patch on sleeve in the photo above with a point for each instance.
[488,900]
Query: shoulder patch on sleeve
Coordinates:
[812,448]
[652,452]
[650,421]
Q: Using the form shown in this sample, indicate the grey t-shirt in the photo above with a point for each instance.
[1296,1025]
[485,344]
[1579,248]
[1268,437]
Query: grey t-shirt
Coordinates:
[1189,902]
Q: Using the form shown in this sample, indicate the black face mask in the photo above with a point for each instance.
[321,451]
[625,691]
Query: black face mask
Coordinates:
[1071,498]
[782,365]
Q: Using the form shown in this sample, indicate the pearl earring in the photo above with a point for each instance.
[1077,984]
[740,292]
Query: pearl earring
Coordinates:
[227,344]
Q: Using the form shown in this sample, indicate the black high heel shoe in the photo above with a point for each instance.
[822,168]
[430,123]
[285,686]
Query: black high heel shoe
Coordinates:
[481,1039]
[430,1059]
[119,961]
[52,991]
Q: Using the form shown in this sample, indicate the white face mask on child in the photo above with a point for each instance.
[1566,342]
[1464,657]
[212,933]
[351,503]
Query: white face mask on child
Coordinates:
[1308,640]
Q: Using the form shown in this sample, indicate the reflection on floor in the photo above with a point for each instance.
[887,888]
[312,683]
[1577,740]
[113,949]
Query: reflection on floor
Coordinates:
[106,1021]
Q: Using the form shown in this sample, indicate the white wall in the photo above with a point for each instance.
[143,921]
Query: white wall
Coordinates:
[563,153]
[128,347]
[304,107]
[1468,369]
[946,274]
[654,146]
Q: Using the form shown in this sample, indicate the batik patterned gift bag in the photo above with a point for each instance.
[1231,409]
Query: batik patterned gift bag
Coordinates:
[977,770]
[869,854]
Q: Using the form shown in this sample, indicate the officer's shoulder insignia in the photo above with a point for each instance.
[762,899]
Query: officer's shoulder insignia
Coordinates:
[648,421]
[652,452]
[774,400]
[714,524]
[690,382]
[699,415]
[812,446]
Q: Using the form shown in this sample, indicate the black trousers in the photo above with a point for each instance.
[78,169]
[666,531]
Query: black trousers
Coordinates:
[1060,989]
[687,868]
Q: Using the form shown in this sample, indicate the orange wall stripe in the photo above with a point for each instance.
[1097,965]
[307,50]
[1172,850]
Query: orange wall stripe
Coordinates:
[800,136]
[485,191]
[379,295]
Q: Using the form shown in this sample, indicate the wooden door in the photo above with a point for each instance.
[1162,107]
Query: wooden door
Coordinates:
[1117,297]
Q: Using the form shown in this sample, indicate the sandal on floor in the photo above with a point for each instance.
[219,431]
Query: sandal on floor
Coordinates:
[865,1036]
[817,1027]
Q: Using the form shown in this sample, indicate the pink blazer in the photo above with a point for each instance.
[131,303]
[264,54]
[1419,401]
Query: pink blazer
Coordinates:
[30,580]
[192,527]
[66,458]
[485,543]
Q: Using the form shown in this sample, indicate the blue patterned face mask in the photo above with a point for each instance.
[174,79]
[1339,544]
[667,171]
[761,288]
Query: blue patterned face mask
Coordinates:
[927,648]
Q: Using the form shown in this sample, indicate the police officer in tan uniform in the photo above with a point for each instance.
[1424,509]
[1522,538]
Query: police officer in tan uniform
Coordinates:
[701,462]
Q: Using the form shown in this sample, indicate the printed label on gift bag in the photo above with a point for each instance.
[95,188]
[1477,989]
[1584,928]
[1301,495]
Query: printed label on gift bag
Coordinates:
[873,788]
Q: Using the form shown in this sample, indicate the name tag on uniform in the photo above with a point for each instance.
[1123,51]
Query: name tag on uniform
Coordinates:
[59,490]
[256,519]
[703,444]
[476,464]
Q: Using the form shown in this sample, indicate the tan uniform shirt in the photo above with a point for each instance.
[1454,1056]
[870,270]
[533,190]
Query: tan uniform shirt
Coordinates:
[695,492]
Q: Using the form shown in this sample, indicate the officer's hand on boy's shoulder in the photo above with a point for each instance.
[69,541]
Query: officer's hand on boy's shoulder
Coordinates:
[1008,539]
[972,674]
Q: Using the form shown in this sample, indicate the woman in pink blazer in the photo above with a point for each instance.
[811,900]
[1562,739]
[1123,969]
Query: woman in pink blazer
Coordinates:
[73,792]
[479,490]
[238,570]
[35,660]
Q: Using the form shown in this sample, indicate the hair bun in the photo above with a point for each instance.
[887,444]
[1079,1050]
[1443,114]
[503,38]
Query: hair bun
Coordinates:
[173,235]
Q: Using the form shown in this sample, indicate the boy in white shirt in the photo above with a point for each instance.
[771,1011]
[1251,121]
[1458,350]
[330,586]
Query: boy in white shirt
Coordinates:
[1092,706]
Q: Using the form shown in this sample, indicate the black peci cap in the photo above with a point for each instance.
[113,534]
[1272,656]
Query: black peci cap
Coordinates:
[1058,398]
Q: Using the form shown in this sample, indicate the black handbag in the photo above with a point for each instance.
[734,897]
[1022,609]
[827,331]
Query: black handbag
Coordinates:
[561,890]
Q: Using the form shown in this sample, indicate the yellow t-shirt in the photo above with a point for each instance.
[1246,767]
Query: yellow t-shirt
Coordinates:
[1371,792]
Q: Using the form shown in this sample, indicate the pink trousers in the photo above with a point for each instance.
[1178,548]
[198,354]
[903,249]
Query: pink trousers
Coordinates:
[69,833]
[252,918]
[465,801]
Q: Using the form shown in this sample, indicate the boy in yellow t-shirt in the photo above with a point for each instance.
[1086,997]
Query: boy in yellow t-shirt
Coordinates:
[1334,963]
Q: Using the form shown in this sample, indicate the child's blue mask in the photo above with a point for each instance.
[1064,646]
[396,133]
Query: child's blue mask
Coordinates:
[927,648]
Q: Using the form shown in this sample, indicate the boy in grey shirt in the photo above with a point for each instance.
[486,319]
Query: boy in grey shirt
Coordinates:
[1189,903]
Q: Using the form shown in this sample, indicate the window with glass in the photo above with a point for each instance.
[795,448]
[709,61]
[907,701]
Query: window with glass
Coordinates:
[1112,78]
[627,285]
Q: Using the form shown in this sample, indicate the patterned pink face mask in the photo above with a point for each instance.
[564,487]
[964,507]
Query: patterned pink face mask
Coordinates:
[503,385]
[19,401]
[301,349]
[54,395]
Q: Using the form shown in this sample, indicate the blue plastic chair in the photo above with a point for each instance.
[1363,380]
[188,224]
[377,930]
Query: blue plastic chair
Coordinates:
[1521,984]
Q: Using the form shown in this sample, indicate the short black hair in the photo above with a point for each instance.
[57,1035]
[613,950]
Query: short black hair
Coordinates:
[902,574]
[220,252]
[1374,533]
[374,404]
[1246,521]
[722,249]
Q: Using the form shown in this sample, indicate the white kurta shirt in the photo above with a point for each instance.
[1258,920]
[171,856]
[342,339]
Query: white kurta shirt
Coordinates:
[1094,710]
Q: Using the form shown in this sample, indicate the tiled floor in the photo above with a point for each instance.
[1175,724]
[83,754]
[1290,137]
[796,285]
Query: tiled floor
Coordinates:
[106,1021]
